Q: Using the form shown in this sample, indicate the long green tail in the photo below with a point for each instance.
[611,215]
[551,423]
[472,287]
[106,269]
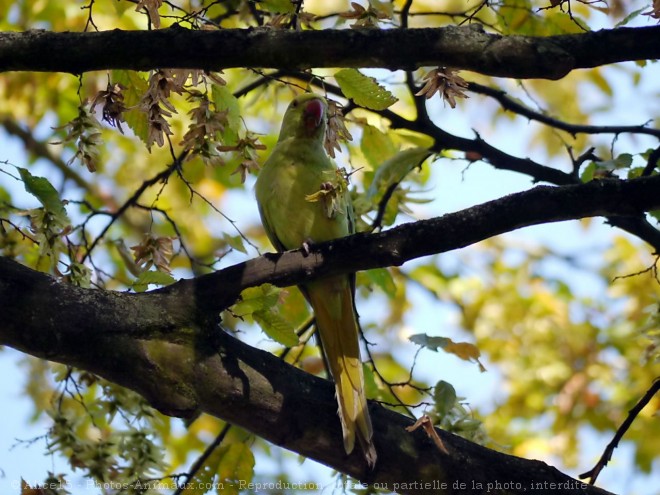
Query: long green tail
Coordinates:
[332,301]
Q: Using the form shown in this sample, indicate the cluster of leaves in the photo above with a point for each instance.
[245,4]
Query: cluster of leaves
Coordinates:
[106,431]
[171,149]
[575,380]
[451,414]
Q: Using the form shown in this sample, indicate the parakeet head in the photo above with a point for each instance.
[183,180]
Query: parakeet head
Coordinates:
[305,117]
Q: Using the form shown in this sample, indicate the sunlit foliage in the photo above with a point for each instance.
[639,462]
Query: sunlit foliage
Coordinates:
[132,180]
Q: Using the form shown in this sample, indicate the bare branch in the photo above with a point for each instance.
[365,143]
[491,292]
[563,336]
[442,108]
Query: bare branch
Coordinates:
[613,198]
[160,346]
[509,104]
[466,47]
[609,450]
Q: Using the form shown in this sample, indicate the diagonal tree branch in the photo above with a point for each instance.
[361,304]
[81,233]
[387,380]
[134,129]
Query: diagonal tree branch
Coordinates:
[207,295]
[593,473]
[512,105]
[611,198]
[637,225]
[167,346]
[467,47]
[183,364]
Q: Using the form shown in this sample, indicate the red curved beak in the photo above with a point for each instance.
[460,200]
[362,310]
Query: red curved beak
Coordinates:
[313,113]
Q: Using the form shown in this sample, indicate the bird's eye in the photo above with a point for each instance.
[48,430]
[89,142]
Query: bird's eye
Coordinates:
[294,103]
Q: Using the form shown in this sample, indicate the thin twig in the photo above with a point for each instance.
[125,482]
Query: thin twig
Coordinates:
[41,150]
[202,458]
[609,450]
[573,129]
[382,205]
[194,192]
[161,176]
[653,160]
[404,13]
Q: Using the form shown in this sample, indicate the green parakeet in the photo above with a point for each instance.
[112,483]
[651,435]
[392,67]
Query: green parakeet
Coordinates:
[303,198]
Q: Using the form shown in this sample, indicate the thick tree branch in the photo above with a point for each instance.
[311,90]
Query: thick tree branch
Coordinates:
[166,345]
[613,198]
[467,47]
[182,364]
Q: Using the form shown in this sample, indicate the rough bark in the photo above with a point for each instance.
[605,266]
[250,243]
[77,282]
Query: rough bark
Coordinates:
[467,47]
[616,199]
[183,365]
[167,345]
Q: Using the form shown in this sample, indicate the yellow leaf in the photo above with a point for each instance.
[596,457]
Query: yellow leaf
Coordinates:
[236,468]
[463,350]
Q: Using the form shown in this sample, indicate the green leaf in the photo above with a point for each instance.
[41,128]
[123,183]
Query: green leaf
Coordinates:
[376,146]
[276,327]
[44,191]
[80,275]
[225,101]
[414,138]
[624,160]
[236,468]
[588,173]
[135,88]
[629,17]
[383,279]
[254,299]
[364,90]
[444,396]
[262,305]
[395,170]
[152,277]
[202,482]
[235,242]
